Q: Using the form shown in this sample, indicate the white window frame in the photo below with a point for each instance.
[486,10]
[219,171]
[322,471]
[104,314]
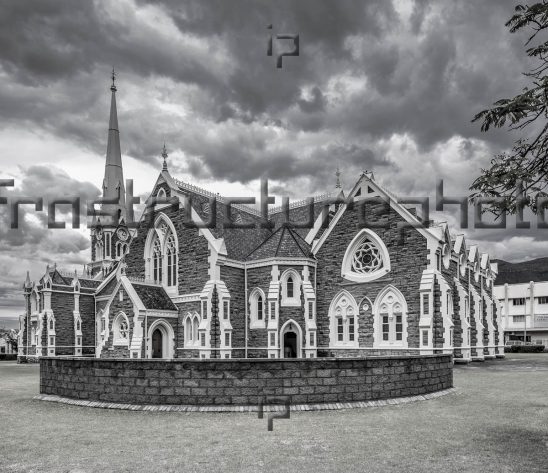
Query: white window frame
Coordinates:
[117,338]
[382,299]
[346,270]
[348,309]
[255,322]
[294,301]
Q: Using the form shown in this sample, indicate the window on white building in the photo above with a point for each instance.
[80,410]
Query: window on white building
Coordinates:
[518,301]
[312,339]
[272,339]
[227,339]
[226,310]
[543,300]
[518,318]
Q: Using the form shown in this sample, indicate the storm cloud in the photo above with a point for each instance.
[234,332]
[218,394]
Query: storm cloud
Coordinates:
[388,86]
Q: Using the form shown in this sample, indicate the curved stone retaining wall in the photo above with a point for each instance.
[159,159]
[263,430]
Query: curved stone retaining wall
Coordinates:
[243,382]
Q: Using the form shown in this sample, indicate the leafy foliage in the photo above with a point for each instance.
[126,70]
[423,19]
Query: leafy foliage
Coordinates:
[516,178]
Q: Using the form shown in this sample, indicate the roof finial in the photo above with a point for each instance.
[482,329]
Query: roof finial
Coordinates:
[113,86]
[164,155]
[27,281]
[338,174]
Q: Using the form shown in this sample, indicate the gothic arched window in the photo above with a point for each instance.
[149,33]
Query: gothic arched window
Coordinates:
[256,302]
[391,318]
[290,287]
[343,314]
[366,258]
[120,328]
[157,262]
[171,254]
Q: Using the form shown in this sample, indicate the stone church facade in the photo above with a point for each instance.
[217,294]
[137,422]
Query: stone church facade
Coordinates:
[341,275]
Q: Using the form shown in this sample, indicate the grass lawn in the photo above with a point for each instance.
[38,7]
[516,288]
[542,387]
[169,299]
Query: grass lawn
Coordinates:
[497,422]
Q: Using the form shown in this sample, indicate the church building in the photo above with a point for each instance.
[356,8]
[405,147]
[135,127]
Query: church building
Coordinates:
[197,276]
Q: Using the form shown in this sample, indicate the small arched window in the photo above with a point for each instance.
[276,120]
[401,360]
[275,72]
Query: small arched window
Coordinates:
[121,329]
[188,331]
[171,251]
[157,262]
[260,307]
[290,287]
[256,302]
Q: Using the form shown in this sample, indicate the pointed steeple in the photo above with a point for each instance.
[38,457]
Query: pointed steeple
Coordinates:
[28,284]
[113,183]
[164,155]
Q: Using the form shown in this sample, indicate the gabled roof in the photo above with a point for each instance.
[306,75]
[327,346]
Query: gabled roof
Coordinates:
[153,297]
[283,243]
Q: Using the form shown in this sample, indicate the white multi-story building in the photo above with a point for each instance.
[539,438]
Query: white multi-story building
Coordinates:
[522,291]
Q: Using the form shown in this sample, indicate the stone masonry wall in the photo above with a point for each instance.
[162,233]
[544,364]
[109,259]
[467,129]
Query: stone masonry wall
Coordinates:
[242,382]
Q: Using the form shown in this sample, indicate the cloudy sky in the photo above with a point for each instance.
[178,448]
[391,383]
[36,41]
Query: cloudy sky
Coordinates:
[385,86]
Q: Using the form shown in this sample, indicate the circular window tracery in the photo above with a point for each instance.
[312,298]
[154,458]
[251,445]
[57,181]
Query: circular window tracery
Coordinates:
[367,258]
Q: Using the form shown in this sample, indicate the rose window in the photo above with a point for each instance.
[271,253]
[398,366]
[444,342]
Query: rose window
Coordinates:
[367,258]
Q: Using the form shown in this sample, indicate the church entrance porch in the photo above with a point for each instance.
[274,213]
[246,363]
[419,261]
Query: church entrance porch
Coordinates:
[161,340]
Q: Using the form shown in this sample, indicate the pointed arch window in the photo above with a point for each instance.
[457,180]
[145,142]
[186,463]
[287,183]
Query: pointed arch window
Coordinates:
[120,328]
[161,254]
[191,325]
[157,262]
[290,287]
[290,282]
[391,319]
[256,305]
[343,313]
[107,244]
[171,255]
[366,258]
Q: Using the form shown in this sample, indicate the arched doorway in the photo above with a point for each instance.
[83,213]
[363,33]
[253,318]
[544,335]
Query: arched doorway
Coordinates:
[290,345]
[291,340]
[157,344]
[161,340]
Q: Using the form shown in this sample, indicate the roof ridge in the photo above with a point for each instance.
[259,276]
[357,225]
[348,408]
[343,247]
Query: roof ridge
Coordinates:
[292,232]
[282,228]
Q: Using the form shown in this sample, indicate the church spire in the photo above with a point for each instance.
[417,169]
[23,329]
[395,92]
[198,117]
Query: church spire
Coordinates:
[164,155]
[113,183]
